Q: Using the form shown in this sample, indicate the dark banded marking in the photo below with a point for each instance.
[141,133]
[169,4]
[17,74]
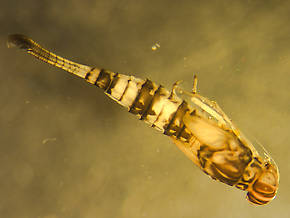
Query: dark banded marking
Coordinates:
[104,79]
[125,90]
[47,55]
[53,58]
[62,61]
[70,65]
[142,99]
[173,127]
[242,186]
[41,55]
[88,74]
[153,125]
[148,109]
[184,134]
[254,200]
[139,92]
[91,75]
[33,48]
[157,118]
[167,126]
[181,130]
[101,72]
[180,114]
[160,99]
[258,160]
[114,81]
[162,116]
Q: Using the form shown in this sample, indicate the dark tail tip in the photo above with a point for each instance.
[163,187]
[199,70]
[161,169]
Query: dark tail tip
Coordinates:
[19,41]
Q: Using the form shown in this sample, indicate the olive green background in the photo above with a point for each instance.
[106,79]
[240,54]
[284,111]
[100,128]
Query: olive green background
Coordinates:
[67,150]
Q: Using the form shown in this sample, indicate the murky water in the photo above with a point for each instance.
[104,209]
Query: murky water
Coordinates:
[66,150]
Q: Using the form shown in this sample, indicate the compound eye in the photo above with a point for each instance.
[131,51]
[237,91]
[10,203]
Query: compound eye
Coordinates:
[265,187]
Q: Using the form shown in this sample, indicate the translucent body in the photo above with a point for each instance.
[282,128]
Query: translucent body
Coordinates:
[197,125]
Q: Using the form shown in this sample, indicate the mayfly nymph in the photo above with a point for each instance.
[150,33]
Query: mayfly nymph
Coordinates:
[196,124]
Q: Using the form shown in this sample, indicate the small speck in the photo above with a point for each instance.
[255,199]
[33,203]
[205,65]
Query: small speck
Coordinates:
[155,46]
[44,141]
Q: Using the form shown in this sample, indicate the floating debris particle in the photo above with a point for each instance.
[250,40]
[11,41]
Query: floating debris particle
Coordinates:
[155,46]
[44,141]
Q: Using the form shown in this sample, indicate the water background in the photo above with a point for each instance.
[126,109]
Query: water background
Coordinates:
[68,151]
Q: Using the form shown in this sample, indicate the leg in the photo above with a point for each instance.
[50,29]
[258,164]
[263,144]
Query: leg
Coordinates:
[194,89]
[174,87]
